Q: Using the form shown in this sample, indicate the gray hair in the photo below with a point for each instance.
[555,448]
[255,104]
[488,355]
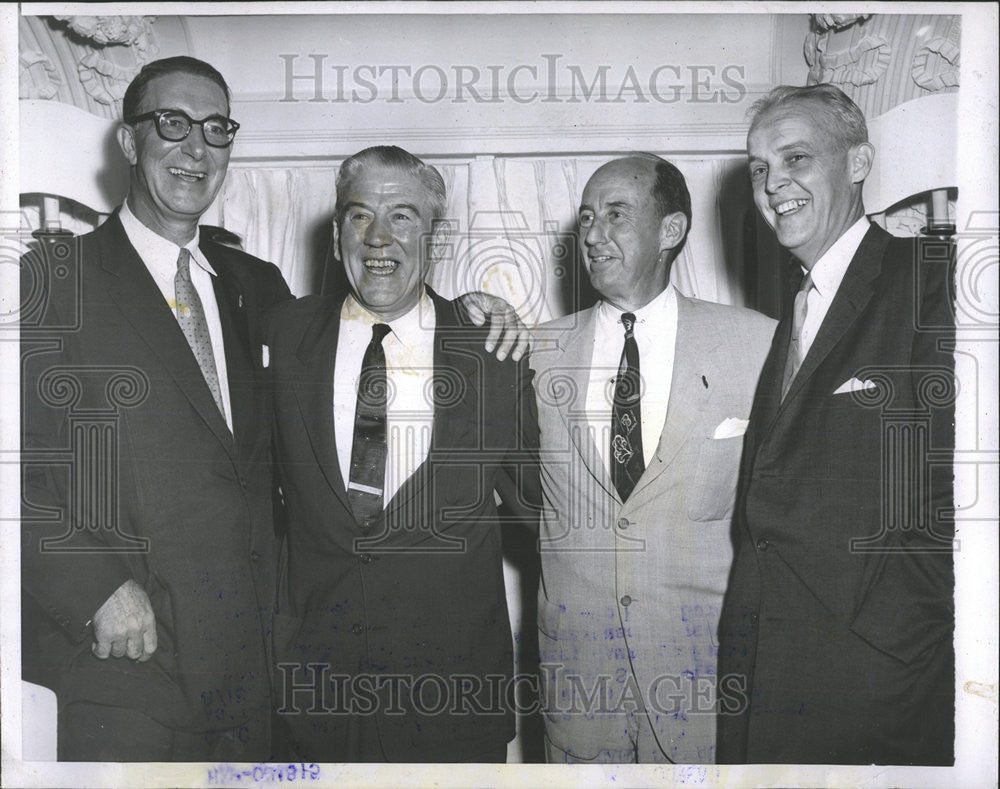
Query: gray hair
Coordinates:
[393,157]
[847,123]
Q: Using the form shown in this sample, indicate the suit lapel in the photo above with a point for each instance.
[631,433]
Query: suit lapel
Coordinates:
[767,399]
[852,297]
[312,382]
[140,301]
[568,383]
[692,384]
[245,397]
[456,419]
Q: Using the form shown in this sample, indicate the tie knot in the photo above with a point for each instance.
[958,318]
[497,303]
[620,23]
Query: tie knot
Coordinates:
[628,321]
[807,284]
[379,331]
[183,259]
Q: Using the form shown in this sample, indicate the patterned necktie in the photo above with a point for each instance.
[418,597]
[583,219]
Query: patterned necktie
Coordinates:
[367,477]
[191,317]
[627,463]
[795,355]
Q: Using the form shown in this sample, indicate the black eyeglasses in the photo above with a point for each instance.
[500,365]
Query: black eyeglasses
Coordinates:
[175,125]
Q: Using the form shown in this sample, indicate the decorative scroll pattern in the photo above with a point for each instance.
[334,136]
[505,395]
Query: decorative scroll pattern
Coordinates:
[87,61]
[39,78]
[104,80]
[928,71]
[863,63]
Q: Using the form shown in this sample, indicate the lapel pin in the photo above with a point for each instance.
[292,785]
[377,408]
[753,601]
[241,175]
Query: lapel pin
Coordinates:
[704,380]
[239,302]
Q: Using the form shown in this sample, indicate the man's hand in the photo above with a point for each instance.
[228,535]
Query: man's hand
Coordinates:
[125,625]
[504,321]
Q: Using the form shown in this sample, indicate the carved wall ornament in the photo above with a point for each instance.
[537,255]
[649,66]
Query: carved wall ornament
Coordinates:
[936,65]
[825,22]
[886,60]
[39,78]
[104,80]
[863,63]
[132,31]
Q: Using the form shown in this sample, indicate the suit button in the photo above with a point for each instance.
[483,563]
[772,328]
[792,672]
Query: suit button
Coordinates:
[366,558]
[623,523]
[357,629]
[762,544]
[254,556]
[753,618]
[626,601]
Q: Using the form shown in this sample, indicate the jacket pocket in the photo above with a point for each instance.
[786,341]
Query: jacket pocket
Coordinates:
[713,487]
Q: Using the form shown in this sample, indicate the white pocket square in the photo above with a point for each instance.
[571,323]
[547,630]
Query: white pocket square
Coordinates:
[265,355]
[854,385]
[731,427]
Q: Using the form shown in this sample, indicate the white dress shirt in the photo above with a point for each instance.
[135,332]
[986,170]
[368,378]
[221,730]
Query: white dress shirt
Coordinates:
[655,335]
[409,362]
[827,274]
[160,257]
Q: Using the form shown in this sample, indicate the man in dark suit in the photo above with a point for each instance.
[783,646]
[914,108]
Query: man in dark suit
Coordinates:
[148,549]
[836,633]
[394,427]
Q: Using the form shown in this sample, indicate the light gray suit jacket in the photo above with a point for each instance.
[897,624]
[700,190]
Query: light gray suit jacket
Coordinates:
[630,594]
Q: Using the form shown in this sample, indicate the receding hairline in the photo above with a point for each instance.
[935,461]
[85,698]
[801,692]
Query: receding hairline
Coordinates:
[615,164]
[649,161]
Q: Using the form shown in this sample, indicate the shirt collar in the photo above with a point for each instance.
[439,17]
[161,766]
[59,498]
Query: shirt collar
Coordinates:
[828,272]
[149,242]
[406,328]
[609,314]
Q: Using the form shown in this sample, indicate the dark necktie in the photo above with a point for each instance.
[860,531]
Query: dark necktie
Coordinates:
[191,317]
[795,355]
[366,480]
[627,464]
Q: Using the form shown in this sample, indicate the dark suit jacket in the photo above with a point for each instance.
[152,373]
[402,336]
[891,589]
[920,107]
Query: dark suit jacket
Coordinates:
[131,472]
[839,611]
[425,598]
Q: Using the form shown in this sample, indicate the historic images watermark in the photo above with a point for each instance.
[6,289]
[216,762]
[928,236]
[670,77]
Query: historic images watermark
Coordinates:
[84,457]
[315,689]
[550,80]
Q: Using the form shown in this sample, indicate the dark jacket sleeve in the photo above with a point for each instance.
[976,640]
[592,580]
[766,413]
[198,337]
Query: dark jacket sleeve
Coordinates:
[519,483]
[67,566]
[909,606]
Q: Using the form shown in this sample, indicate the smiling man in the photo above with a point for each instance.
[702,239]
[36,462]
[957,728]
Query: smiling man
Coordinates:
[394,427]
[642,402]
[148,601]
[838,620]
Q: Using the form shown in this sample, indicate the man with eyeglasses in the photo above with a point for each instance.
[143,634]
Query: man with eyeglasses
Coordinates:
[154,615]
